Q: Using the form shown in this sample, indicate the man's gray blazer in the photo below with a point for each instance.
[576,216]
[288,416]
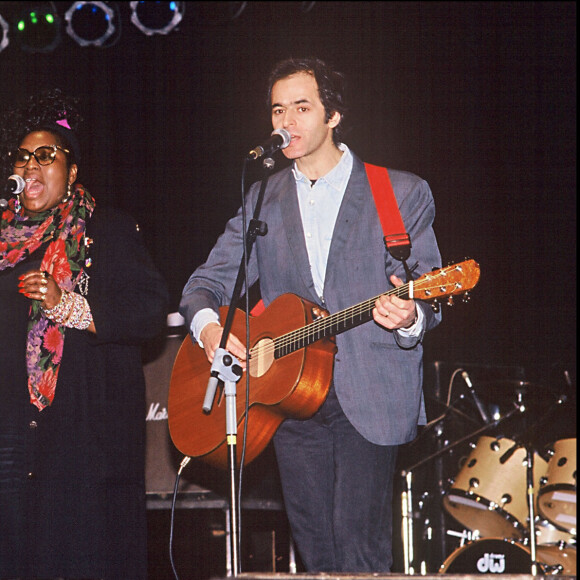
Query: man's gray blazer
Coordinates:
[378,374]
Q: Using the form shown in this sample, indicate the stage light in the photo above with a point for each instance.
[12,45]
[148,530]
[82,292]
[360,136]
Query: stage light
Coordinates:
[4,42]
[92,23]
[38,28]
[156,17]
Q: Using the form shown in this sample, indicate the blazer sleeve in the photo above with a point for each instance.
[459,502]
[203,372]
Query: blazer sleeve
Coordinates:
[418,212]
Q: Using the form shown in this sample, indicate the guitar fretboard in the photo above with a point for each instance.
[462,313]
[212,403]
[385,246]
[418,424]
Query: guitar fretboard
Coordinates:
[332,324]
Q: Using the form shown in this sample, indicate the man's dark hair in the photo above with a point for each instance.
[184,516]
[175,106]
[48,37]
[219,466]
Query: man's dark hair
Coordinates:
[331,85]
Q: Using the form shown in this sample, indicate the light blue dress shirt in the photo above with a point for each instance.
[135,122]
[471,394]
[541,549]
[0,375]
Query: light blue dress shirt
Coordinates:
[319,204]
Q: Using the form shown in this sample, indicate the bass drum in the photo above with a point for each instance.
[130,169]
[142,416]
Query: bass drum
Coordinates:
[501,556]
[489,556]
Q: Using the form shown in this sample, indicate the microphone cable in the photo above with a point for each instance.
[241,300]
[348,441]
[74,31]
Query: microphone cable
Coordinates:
[182,465]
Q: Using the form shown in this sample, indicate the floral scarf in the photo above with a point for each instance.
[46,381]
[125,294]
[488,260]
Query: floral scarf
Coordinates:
[66,256]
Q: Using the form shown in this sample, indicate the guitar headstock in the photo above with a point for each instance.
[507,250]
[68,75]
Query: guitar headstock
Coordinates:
[454,280]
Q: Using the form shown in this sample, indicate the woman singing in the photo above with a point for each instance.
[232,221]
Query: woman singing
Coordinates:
[78,296]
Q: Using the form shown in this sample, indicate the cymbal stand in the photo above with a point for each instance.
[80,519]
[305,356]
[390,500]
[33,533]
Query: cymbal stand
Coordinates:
[530,490]
[407,528]
[524,440]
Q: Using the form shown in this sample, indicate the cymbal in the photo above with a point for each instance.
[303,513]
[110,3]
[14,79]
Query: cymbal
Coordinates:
[514,390]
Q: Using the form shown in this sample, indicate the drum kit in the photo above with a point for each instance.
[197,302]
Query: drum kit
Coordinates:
[506,479]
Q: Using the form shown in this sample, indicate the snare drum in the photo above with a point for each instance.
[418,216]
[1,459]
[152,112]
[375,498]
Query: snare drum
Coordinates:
[490,496]
[555,548]
[557,494]
[547,534]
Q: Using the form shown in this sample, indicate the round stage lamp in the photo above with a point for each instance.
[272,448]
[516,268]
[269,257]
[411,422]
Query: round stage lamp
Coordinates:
[4,42]
[38,28]
[156,17]
[90,23]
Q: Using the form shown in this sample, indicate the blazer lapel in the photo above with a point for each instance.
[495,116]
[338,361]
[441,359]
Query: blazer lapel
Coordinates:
[350,210]
[295,234]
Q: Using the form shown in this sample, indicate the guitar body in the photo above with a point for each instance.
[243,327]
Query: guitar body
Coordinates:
[293,386]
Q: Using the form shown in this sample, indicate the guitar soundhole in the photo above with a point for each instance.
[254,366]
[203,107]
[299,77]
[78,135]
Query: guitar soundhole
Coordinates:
[262,357]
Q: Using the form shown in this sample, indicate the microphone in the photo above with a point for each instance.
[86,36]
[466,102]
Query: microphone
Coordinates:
[477,400]
[279,139]
[14,186]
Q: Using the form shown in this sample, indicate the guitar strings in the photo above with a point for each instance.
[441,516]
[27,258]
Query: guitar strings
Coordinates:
[318,328]
[296,339]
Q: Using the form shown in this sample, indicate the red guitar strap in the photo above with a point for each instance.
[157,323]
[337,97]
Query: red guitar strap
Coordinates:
[396,238]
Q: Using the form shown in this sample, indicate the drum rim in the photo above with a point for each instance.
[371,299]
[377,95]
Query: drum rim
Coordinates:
[556,487]
[520,527]
[560,528]
[542,513]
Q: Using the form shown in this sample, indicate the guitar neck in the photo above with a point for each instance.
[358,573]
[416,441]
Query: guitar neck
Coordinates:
[332,324]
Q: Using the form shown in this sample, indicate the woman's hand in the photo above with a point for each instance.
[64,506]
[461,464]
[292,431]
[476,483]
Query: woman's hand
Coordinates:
[41,286]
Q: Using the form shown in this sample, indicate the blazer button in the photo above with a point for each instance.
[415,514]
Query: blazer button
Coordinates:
[33,424]
[31,475]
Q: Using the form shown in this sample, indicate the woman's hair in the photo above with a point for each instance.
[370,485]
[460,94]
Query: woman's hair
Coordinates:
[46,111]
[331,85]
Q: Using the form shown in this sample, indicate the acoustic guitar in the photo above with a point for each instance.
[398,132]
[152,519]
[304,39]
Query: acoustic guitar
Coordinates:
[290,365]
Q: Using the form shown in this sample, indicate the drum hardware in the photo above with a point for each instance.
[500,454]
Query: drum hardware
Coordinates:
[509,507]
[497,510]
[531,507]
[464,536]
[407,523]
[407,475]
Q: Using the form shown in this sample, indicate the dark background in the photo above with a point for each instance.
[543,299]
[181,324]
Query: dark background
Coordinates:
[478,98]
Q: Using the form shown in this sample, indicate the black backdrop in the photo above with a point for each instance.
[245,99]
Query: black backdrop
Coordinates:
[478,98]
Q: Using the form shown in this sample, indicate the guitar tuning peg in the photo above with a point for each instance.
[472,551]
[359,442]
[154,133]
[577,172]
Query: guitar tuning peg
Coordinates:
[466,297]
[435,306]
[450,301]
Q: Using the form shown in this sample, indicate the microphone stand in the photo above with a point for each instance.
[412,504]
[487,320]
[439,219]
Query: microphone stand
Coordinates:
[227,369]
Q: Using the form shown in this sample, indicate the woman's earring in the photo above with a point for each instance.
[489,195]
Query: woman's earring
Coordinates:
[68,193]
[17,206]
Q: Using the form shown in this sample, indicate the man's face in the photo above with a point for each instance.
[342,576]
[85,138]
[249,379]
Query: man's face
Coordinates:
[296,107]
